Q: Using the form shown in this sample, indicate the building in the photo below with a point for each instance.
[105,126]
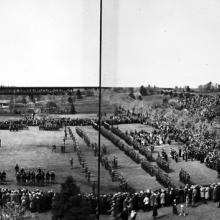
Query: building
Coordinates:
[4,106]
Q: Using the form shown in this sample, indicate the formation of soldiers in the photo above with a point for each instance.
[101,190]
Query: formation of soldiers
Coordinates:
[184,176]
[153,170]
[50,126]
[103,150]
[34,177]
[14,125]
[81,158]
[43,123]
[109,164]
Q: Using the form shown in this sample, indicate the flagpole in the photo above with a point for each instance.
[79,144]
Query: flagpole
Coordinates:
[100,112]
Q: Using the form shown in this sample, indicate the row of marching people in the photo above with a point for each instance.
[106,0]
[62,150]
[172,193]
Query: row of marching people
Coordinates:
[34,177]
[81,158]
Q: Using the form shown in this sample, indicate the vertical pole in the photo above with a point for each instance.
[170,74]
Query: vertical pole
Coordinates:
[100,112]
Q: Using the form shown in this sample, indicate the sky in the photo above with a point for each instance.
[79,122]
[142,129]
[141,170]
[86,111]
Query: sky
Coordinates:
[49,42]
[165,43]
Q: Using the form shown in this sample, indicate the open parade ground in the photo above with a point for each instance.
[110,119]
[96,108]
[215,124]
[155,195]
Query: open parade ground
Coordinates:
[32,148]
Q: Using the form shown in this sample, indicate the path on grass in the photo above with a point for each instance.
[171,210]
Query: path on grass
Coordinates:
[132,172]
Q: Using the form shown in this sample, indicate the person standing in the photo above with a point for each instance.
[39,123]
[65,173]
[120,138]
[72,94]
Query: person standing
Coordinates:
[162,198]
[133,214]
[180,152]
[175,212]
[182,210]
[155,213]
[71,163]
[124,214]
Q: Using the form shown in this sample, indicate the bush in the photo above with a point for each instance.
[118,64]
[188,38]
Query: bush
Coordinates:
[68,205]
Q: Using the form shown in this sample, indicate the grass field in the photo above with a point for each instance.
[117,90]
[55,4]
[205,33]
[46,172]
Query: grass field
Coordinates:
[128,103]
[137,127]
[32,149]
[91,105]
[132,171]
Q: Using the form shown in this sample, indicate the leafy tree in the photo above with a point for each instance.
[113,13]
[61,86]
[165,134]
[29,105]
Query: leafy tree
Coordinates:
[31,96]
[68,204]
[70,100]
[131,93]
[72,109]
[143,91]
[188,89]
[51,105]
[24,101]
[140,97]
[165,100]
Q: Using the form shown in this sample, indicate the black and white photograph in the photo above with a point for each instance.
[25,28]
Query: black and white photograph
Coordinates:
[109,109]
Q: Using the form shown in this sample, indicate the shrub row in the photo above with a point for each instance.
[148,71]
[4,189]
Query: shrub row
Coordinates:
[163,164]
[114,174]
[117,142]
[153,170]
[137,146]
[84,136]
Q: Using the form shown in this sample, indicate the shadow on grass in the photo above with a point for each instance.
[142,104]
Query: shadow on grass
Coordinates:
[162,216]
[170,170]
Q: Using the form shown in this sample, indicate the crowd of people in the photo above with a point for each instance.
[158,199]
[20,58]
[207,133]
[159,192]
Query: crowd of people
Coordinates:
[201,105]
[149,200]
[200,144]
[110,164]
[32,200]
[34,177]
[45,123]
[85,168]
[117,204]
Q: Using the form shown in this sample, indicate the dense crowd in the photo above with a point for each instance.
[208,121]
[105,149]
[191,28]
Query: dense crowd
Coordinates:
[43,123]
[35,201]
[199,143]
[202,106]
[148,200]
[115,204]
